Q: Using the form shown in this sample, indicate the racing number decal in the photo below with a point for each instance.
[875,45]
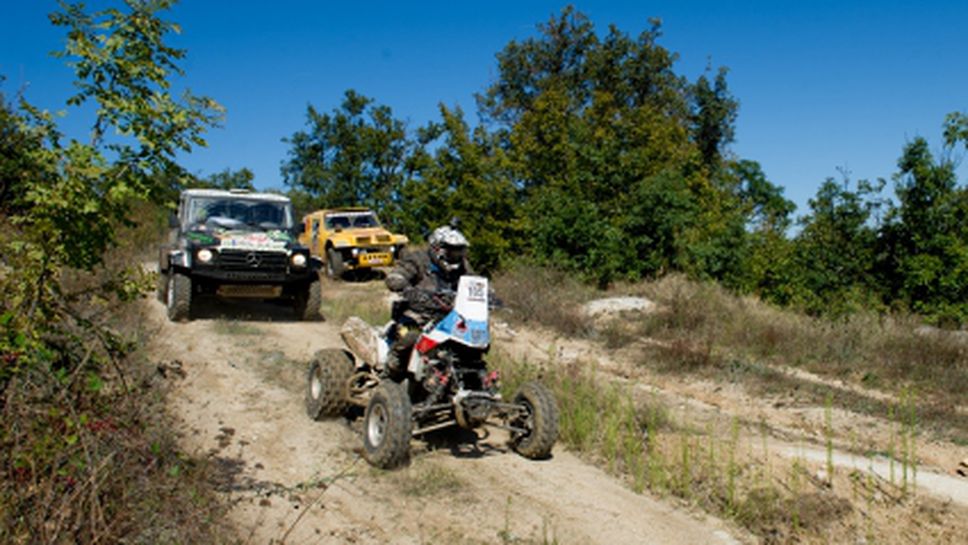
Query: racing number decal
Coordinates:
[476,292]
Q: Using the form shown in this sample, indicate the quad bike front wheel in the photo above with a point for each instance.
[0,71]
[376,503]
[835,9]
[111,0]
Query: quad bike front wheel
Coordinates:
[387,426]
[539,418]
[327,384]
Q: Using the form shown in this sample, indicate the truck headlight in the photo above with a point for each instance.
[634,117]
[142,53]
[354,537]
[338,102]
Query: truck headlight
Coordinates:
[298,260]
[204,255]
[355,252]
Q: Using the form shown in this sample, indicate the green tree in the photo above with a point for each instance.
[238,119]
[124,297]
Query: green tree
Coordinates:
[956,129]
[466,177]
[604,138]
[19,152]
[531,68]
[63,203]
[69,196]
[765,266]
[835,251]
[227,179]
[927,236]
[354,156]
[714,117]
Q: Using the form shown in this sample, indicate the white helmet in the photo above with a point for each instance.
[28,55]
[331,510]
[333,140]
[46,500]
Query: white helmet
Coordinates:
[448,248]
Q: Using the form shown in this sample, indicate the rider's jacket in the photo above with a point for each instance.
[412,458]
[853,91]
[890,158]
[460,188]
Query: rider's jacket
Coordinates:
[417,277]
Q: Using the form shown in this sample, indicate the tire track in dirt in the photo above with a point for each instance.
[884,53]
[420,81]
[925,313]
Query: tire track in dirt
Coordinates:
[296,481]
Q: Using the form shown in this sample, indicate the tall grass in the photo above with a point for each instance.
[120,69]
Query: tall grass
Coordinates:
[87,454]
[551,298]
[362,299]
[702,328]
[724,467]
[886,352]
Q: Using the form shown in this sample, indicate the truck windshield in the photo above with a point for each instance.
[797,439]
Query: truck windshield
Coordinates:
[346,220]
[248,212]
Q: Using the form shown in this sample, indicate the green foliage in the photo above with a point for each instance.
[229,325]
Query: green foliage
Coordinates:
[926,237]
[466,177]
[615,154]
[354,156]
[124,66]
[595,157]
[834,253]
[65,274]
[714,117]
[70,202]
[227,179]
[956,129]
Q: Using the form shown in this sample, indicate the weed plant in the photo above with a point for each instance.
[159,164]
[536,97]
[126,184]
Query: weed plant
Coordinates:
[643,443]
[544,296]
[885,352]
[702,328]
[87,454]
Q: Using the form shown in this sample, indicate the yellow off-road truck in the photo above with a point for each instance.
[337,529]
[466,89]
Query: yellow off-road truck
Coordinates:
[348,239]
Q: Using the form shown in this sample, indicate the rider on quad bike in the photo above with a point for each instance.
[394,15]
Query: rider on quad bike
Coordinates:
[427,369]
[427,281]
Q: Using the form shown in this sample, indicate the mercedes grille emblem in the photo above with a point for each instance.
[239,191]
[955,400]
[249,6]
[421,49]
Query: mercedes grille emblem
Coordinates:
[253,260]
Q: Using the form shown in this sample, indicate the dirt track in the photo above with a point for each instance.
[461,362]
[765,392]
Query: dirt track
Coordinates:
[297,481]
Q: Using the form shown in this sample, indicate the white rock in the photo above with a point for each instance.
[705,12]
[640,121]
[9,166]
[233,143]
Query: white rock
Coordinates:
[615,305]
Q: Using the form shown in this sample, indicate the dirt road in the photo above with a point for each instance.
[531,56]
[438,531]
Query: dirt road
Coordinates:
[297,481]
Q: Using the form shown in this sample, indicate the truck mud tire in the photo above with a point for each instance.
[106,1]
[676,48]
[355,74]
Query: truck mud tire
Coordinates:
[162,291]
[539,417]
[334,264]
[387,427]
[307,303]
[327,384]
[179,298]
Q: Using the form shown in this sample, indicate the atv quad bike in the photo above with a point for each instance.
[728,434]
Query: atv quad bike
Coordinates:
[445,383]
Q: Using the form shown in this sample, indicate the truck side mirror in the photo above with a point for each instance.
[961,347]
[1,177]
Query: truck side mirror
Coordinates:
[300,228]
[172,221]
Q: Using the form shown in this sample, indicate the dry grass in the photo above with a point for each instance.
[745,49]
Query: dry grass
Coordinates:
[889,352]
[703,329]
[87,454]
[726,468]
[428,480]
[93,458]
[342,299]
[545,296]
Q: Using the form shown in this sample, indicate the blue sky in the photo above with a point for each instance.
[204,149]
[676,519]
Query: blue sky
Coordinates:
[822,85]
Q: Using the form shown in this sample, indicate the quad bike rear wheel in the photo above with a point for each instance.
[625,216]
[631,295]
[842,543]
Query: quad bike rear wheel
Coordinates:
[539,416]
[387,426]
[327,384]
